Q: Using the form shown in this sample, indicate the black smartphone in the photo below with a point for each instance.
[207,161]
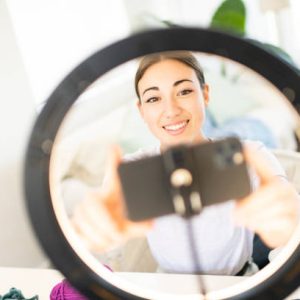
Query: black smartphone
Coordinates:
[216,171]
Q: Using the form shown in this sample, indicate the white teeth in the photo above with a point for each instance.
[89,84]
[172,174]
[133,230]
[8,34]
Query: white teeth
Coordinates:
[176,127]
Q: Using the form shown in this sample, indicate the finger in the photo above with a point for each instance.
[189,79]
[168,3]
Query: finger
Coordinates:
[87,235]
[278,192]
[101,234]
[114,158]
[276,234]
[261,199]
[123,224]
[108,218]
[95,214]
[111,187]
[97,236]
[111,180]
[113,195]
[139,228]
[259,163]
[259,218]
[274,225]
[269,206]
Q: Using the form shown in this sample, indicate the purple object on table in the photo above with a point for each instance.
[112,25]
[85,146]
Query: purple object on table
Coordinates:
[64,291]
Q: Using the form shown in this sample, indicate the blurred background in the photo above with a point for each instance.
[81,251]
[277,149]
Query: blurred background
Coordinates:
[42,41]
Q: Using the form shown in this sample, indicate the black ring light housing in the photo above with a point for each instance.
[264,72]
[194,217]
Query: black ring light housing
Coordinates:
[281,74]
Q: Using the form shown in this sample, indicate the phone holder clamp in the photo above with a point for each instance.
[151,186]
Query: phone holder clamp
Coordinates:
[178,163]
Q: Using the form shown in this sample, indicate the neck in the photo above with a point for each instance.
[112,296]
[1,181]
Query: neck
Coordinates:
[199,139]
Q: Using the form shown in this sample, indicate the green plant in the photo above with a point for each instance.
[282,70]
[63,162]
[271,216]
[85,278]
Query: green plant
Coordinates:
[231,15]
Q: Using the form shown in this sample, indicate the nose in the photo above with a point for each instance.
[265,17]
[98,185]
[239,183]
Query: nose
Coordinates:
[171,108]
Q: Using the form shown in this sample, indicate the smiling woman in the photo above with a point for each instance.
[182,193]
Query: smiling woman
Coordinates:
[172,97]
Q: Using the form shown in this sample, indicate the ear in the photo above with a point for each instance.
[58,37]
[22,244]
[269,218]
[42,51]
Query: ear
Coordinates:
[205,90]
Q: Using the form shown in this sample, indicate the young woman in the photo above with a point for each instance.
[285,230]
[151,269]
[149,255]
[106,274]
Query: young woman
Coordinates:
[172,97]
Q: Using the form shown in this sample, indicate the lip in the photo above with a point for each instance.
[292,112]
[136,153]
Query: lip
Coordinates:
[176,128]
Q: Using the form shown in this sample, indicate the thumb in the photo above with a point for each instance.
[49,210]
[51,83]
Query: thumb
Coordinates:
[111,179]
[114,158]
[259,163]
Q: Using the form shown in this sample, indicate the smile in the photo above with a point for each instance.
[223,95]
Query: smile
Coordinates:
[176,128]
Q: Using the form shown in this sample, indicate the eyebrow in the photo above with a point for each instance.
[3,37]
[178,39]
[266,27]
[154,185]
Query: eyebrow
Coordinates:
[151,88]
[155,88]
[180,81]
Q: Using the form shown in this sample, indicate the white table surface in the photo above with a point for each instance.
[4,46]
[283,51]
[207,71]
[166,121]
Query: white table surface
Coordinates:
[178,283]
[30,281]
[41,281]
[186,284]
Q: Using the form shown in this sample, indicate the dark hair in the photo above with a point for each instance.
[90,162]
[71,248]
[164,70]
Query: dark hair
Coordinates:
[184,57]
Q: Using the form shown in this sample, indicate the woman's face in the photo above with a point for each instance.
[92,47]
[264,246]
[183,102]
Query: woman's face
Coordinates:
[172,102]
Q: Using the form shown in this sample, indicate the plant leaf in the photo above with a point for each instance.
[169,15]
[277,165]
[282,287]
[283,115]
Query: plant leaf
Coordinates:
[230,16]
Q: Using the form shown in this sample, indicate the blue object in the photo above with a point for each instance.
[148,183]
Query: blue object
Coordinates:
[244,127]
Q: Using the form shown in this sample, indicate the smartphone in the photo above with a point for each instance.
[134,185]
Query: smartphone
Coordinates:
[217,172]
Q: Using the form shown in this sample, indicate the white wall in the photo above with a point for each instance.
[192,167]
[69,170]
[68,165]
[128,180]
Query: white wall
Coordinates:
[55,36]
[18,245]
[41,41]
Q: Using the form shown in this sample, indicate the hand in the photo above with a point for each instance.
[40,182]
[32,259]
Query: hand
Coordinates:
[272,211]
[100,220]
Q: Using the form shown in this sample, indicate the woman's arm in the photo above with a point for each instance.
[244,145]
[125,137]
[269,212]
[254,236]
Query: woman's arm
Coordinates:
[272,210]
[100,219]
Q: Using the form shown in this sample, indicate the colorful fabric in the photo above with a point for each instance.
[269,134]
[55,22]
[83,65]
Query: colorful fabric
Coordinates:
[64,291]
[16,295]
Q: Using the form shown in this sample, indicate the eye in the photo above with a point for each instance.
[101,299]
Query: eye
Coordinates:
[185,92]
[152,99]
